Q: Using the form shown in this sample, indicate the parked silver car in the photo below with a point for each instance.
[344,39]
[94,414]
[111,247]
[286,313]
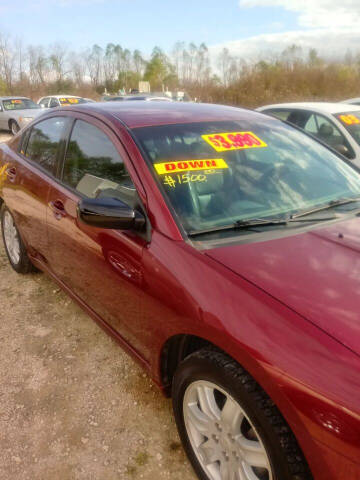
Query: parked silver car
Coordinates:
[336,124]
[16,112]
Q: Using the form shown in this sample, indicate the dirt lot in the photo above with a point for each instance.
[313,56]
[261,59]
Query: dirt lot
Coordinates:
[73,406]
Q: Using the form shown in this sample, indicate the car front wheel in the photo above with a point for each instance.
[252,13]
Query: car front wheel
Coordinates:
[230,428]
[14,127]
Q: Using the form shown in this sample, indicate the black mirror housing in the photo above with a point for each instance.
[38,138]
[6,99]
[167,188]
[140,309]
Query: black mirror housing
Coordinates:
[110,213]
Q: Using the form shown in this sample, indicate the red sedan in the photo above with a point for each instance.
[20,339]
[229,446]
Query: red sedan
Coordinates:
[220,247]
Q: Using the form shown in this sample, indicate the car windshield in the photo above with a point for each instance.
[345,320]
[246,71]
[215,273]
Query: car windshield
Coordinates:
[19,104]
[351,121]
[71,101]
[216,173]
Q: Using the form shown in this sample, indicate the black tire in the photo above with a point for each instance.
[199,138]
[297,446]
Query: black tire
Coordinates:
[14,127]
[24,264]
[285,457]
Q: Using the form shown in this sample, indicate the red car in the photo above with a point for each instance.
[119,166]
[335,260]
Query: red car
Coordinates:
[220,247]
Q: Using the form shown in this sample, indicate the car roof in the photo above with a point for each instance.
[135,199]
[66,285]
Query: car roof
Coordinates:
[144,113]
[14,96]
[323,107]
[62,96]
[350,100]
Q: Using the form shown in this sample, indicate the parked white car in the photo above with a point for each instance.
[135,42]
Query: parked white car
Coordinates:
[353,101]
[336,124]
[53,101]
[16,112]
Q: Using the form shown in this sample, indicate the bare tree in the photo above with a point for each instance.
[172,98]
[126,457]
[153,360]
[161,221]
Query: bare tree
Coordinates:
[7,61]
[58,53]
[77,66]
[94,60]
[224,63]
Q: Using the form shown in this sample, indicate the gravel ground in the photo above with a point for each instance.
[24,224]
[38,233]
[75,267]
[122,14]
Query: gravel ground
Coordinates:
[73,405]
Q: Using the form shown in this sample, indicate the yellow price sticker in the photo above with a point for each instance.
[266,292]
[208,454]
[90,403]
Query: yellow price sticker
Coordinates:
[189,165]
[349,119]
[223,142]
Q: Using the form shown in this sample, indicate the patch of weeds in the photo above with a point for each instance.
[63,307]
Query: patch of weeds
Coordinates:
[174,446]
[142,458]
[8,292]
[131,470]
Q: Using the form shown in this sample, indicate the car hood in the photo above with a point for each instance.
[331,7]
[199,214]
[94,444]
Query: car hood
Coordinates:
[26,112]
[316,273]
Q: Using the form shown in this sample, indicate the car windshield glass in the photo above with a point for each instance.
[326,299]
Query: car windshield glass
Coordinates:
[19,104]
[351,121]
[71,101]
[216,173]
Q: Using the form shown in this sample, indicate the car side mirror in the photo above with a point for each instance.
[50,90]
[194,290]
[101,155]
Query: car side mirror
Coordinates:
[110,213]
[343,150]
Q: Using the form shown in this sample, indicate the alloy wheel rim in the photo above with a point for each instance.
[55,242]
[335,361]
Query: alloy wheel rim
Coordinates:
[11,237]
[225,442]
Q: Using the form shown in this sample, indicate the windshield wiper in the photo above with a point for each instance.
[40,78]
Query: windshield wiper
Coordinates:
[239,224]
[332,203]
[256,222]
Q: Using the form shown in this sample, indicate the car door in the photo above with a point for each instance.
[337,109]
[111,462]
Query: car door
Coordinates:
[54,102]
[101,267]
[4,125]
[29,174]
[44,102]
[326,130]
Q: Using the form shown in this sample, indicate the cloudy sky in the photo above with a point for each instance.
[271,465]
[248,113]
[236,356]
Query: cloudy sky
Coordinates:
[250,28]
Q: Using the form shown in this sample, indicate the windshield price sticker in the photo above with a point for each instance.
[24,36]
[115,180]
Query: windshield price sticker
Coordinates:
[68,101]
[173,180]
[189,165]
[349,119]
[16,101]
[228,141]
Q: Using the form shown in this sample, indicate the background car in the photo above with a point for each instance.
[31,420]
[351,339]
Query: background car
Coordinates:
[112,98]
[53,101]
[146,97]
[336,124]
[353,101]
[16,112]
[220,247]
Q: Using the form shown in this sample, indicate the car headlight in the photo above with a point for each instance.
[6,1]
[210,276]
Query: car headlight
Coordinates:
[25,119]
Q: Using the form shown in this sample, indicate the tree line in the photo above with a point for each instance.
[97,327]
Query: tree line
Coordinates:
[293,75]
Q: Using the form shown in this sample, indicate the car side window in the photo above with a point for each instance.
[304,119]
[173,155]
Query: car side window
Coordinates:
[330,134]
[44,101]
[44,141]
[54,102]
[311,125]
[94,167]
[280,114]
[23,141]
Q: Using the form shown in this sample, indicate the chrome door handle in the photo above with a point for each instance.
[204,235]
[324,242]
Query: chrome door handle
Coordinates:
[11,174]
[58,209]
